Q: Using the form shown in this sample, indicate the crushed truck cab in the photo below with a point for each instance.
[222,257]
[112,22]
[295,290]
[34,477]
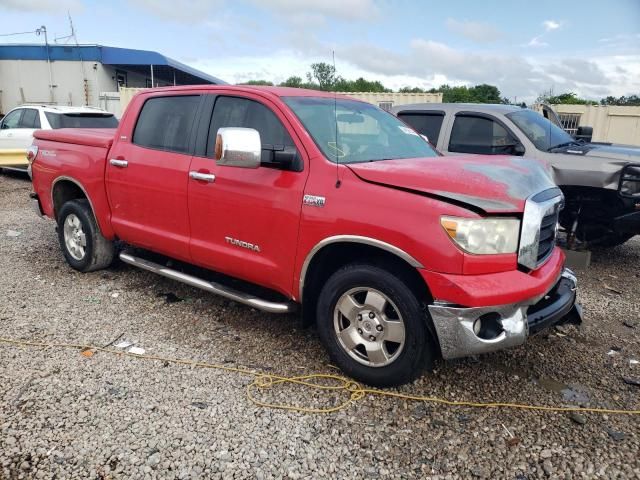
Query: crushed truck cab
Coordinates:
[289,199]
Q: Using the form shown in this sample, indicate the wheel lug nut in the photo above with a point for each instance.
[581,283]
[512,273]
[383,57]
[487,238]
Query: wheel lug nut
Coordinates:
[372,315]
[359,316]
[360,331]
[372,338]
[379,328]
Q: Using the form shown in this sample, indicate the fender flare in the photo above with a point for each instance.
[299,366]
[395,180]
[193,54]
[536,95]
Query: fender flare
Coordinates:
[353,239]
[80,186]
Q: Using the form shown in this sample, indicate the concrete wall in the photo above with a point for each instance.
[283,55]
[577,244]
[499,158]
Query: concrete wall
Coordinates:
[610,123]
[27,81]
[388,100]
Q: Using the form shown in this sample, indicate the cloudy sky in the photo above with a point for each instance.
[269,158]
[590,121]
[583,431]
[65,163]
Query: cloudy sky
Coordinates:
[591,47]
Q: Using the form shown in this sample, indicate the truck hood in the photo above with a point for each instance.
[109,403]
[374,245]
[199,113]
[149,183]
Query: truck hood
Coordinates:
[628,153]
[592,164]
[491,184]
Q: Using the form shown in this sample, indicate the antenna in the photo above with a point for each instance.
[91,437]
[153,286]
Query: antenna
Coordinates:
[73,36]
[335,116]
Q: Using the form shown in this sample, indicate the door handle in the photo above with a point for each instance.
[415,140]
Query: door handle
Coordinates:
[119,163]
[205,177]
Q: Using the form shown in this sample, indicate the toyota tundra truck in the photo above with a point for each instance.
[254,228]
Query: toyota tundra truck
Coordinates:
[288,199]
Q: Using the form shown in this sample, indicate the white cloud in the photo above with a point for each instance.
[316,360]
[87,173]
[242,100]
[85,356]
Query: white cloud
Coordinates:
[536,42]
[320,10]
[427,64]
[518,75]
[40,5]
[550,25]
[476,31]
[185,11]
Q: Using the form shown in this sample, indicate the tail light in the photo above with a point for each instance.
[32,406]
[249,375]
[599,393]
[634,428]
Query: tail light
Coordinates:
[32,151]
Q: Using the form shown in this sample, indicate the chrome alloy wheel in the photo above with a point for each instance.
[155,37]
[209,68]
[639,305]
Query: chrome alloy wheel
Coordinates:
[74,237]
[369,327]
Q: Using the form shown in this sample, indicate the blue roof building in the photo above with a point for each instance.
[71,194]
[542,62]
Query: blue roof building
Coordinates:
[84,74]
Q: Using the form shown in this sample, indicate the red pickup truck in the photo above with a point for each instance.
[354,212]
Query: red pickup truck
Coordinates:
[285,198]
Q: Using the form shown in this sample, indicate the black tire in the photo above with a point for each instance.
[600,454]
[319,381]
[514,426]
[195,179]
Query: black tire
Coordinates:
[419,348]
[98,251]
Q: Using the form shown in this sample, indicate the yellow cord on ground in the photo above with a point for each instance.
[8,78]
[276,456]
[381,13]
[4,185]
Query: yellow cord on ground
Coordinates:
[265,381]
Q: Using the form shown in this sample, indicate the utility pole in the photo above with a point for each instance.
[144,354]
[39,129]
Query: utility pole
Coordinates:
[43,31]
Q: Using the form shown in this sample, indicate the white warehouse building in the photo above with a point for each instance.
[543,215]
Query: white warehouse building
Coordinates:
[84,74]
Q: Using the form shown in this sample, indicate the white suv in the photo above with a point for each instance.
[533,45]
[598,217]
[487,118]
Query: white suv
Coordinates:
[17,127]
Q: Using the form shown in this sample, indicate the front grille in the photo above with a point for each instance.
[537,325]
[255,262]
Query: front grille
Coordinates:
[538,233]
[547,236]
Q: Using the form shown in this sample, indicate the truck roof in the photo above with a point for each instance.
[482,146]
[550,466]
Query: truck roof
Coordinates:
[445,107]
[274,91]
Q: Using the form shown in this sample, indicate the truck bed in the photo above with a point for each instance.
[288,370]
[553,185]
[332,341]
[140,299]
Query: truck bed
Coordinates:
[91,137]
[75,157]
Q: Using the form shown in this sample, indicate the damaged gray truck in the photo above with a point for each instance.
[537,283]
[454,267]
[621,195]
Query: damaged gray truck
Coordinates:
[600,182]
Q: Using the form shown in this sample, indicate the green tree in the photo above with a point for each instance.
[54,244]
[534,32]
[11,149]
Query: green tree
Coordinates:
[631,100]
[295,82]
[359,85]
[485,94]
[322,74]
[413,90]
[568,98]
[257,82]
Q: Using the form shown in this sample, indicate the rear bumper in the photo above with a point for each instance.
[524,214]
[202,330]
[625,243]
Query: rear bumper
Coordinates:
[476,330]
[13,158]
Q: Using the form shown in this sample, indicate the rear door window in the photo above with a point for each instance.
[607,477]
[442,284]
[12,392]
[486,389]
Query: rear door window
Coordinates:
[425,123]
[81,120]
[482,135]
[30,118]
[165,123]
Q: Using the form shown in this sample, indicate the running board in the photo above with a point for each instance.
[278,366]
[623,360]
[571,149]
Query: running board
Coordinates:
[212,287]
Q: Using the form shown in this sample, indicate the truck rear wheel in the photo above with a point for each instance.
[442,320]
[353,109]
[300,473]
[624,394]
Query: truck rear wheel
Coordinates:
[374,326]
[84,247]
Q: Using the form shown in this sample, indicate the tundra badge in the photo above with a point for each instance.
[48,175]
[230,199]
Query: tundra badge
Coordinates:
[313,201]
[242,244]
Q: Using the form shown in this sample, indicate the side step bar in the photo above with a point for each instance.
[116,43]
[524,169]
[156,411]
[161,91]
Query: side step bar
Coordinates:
[230,293]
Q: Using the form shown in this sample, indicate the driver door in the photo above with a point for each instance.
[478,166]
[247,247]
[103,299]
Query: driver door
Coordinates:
[238,207]
[481,134]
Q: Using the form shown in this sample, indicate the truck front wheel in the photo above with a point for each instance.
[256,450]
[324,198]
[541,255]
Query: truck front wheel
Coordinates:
[374,326]
[84,247]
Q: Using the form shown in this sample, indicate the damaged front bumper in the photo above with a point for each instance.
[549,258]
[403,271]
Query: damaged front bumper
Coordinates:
[472,331]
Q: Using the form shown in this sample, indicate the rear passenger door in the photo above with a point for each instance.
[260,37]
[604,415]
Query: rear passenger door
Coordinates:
[427,123]
[18,127]
[147,176]
[242,206]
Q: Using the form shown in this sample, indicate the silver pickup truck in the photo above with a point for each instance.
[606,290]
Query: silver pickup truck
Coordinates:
[601,182]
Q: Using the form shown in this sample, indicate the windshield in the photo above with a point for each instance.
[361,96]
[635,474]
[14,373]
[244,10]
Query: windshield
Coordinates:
[544,134]
[349,131]
[81,120]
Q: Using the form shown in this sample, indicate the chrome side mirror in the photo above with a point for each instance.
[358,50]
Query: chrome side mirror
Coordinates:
[238,147]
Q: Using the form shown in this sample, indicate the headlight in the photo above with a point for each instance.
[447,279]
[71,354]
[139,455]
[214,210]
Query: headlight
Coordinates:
[483,236]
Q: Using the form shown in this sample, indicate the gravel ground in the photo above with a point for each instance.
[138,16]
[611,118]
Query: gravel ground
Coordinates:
[64,415]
